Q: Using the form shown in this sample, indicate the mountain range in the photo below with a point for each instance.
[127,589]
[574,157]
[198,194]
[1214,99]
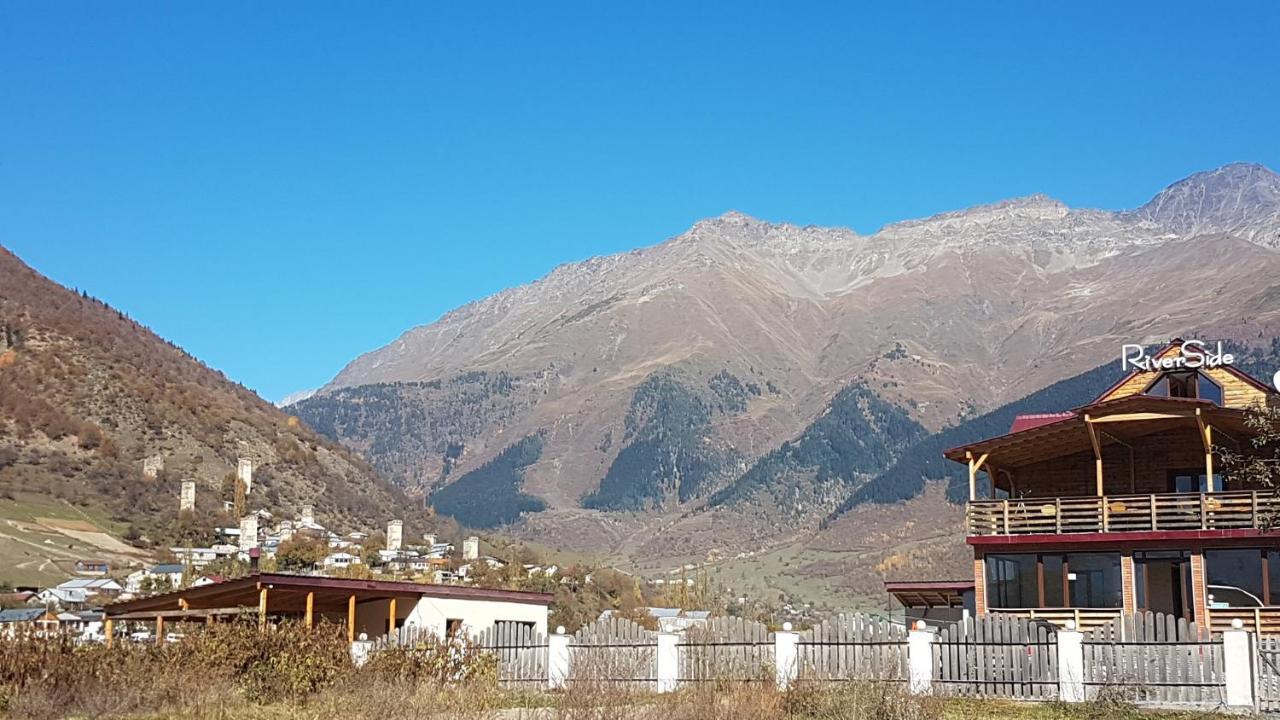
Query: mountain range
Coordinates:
[736,385]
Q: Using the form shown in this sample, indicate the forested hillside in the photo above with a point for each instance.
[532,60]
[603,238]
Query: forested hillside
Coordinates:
[86,394]
[858,434]
[490,495]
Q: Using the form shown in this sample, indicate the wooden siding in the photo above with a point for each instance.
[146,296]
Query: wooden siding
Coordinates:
[1236,393]
[1153,457]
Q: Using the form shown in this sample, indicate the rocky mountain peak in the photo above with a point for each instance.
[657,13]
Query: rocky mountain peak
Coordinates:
[1241,199]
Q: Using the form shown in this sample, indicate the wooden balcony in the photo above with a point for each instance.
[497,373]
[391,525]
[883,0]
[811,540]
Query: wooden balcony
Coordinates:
[1248,510]
[1265,621]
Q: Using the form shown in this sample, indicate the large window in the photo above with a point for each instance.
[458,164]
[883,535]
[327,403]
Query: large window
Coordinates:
[1094,579]
[1053,580]
[1242,578]
[1011,581]
[1187,384]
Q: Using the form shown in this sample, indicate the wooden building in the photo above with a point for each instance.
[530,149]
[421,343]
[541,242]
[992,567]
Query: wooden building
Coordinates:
[1123,505]
[370,608]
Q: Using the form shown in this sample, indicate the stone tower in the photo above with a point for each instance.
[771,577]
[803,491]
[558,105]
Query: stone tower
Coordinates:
[308,515]
[244,473]
[395,534]
[152,466]
[248,532]
[471,548]
[187,500]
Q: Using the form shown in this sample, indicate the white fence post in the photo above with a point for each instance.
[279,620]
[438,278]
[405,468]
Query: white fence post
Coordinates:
[786,655]
[558,660]
[1237,665]
[920,660]
[668,662]
[1071,664]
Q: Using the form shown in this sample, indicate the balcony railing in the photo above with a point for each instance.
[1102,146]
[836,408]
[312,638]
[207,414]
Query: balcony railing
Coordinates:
[1249,509]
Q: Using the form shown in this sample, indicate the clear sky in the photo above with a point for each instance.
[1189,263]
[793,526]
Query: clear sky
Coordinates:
[278,187]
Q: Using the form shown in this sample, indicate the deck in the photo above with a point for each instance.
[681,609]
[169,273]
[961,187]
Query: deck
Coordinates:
[1237,510]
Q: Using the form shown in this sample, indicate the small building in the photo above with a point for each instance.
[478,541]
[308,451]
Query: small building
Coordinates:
[95,568]
[16,620]
[340,560]
[365,607]
[164,575]
[933,601]
[93,588]
[65,598]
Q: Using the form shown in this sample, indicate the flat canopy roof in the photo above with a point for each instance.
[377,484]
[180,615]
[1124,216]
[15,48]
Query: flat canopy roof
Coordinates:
[1126,418]
[287,594]
[930,593]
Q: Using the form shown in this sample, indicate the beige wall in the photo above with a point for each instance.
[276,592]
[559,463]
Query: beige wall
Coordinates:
[476,615]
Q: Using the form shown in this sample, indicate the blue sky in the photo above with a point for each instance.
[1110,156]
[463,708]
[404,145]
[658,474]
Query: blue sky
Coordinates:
[278,187]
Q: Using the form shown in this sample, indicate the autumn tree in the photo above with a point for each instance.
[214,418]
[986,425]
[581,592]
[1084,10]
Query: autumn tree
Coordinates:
[301,552]
[1258,466]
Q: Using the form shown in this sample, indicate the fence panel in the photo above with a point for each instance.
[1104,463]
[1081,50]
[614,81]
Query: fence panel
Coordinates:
[726,649]
[997,656]
[614,650]
[1267,673]
[521,652]
[1155,659]
[853,647]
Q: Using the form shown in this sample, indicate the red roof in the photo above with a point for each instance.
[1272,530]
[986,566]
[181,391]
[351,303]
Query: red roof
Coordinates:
[1035,420]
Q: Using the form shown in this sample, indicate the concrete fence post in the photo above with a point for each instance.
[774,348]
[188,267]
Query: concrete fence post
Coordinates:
[558,660]
[668,662]
[786,655]
[1071,664]
[920,660]
[1237,665]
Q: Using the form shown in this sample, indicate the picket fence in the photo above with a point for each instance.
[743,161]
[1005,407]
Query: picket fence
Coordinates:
[1147,659]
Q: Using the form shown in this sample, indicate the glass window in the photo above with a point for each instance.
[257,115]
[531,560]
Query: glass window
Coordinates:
[1094,580]
[1011,581]
[1273,577]
[1234,578]
[1161,388]
[1053,595]
[1207,389]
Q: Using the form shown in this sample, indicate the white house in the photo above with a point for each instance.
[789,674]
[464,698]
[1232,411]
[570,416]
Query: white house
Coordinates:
[157,574]
[340,560]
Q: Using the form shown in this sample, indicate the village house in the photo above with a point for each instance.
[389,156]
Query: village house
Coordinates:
[163,576]
[1123,505]
[96,568]
[94,589]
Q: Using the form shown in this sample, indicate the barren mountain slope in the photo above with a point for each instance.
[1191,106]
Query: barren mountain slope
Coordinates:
[721,344]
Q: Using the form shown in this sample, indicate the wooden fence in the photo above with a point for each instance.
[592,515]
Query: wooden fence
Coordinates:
[1266,680]
[1244,509]
[853,647]
[726,649]
[1156,659]
[614,650]
[521,653]
[997,656]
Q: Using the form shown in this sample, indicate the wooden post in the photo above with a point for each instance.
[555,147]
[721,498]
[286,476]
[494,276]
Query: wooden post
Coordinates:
[262,608]
[311,604]
[183,604]
[1097,453]
[351,619]
[973,478]
[109,627]
[1206,436]
[391,617]
[159,629]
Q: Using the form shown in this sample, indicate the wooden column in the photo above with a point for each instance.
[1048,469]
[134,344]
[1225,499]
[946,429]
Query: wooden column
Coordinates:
[974,467]
[159,629]
[391,616]
[262,608]
[1206,436]
[311,605]
[1097,454]
[351,619]
[109,627]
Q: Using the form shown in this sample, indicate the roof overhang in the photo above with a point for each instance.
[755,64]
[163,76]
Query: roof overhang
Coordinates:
[1123,419]
[288,593]
[929,593]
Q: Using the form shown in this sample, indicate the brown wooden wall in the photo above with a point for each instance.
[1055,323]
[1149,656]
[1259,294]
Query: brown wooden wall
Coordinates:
[1153,457]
